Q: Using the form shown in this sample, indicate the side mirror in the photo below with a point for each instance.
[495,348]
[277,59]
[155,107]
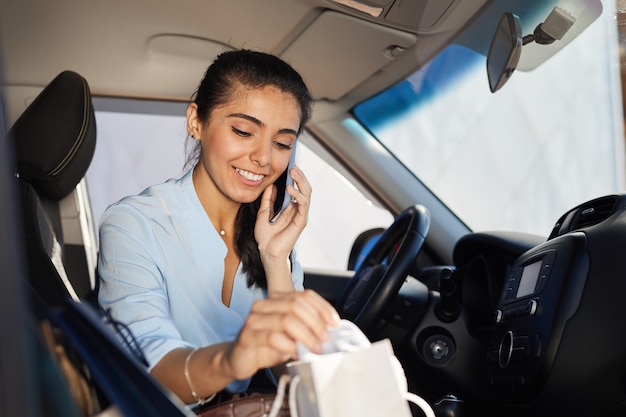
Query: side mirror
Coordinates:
[505,51]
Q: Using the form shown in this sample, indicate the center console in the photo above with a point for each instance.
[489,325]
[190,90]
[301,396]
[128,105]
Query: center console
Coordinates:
[540,294]
[558,342]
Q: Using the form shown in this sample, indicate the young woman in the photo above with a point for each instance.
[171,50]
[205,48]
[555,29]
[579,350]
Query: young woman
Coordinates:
[208,286]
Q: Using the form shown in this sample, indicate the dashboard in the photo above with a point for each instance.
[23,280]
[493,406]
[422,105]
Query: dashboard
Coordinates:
[539,328]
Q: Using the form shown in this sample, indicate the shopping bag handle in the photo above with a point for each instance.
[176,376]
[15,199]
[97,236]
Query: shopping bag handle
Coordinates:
[293,407]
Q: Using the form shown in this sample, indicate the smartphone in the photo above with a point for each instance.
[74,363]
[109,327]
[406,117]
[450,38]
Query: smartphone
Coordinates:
[282,197]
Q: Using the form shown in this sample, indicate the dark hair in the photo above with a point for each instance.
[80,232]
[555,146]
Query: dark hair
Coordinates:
[223,79]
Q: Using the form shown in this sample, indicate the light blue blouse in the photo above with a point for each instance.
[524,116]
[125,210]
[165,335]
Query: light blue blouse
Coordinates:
[161,267]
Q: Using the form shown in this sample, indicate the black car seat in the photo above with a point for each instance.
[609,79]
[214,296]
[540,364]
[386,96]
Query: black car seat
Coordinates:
[54,140]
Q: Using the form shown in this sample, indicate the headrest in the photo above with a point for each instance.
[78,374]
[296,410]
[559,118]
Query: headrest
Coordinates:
[55,137]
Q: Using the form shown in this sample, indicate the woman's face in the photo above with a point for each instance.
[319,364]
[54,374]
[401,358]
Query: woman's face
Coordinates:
[246,144]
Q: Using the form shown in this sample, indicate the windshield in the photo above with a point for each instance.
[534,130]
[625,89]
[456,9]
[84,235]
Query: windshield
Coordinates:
[550,139]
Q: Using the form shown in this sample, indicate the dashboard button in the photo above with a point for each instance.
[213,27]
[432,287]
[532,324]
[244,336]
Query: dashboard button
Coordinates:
[499,316]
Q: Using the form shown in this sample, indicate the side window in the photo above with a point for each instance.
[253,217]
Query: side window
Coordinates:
[135,150]
[339,213]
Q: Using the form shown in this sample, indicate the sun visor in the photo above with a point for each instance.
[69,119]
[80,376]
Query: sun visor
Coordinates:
[337,52]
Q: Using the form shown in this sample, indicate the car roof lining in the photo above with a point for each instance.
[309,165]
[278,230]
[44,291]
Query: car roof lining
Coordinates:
[157,49]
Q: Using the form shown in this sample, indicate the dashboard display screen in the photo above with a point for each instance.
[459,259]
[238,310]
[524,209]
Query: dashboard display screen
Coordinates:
[528,282]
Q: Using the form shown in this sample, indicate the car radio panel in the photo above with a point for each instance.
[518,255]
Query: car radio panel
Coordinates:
[531,278]
[540,294]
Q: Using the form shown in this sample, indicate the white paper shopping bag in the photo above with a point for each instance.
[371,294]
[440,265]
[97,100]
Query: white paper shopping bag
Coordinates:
[359,383]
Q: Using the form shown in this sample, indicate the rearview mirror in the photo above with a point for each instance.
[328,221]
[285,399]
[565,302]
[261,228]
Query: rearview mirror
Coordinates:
[505,51]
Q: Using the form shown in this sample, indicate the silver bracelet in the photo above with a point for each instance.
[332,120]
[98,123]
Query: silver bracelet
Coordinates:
[194,394]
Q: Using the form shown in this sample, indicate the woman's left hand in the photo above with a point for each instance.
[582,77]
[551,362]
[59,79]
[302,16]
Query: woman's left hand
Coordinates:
[270,333]
[276,240]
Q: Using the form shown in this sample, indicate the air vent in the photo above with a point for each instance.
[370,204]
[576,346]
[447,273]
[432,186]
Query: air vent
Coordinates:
[594,212]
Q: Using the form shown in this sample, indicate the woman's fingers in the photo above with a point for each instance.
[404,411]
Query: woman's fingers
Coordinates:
[276,240]
[260,344]
[270,334]
[301,316]
[267,203]
[300,195]
[307,304]
[304,186]
[278,327]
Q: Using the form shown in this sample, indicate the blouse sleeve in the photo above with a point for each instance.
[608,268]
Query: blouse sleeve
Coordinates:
[131,286]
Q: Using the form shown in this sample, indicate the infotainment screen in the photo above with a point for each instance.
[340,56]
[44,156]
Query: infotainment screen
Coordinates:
[528,282]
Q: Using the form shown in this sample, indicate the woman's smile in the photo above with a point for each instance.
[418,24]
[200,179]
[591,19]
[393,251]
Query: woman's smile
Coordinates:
[250,176]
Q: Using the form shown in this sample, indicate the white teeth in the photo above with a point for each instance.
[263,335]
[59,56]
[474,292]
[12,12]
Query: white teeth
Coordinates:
[249,175]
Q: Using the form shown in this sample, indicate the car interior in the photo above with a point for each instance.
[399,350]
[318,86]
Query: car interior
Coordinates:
[484,323]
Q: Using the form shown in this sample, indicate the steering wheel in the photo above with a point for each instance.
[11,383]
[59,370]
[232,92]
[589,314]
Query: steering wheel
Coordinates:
[377,280]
